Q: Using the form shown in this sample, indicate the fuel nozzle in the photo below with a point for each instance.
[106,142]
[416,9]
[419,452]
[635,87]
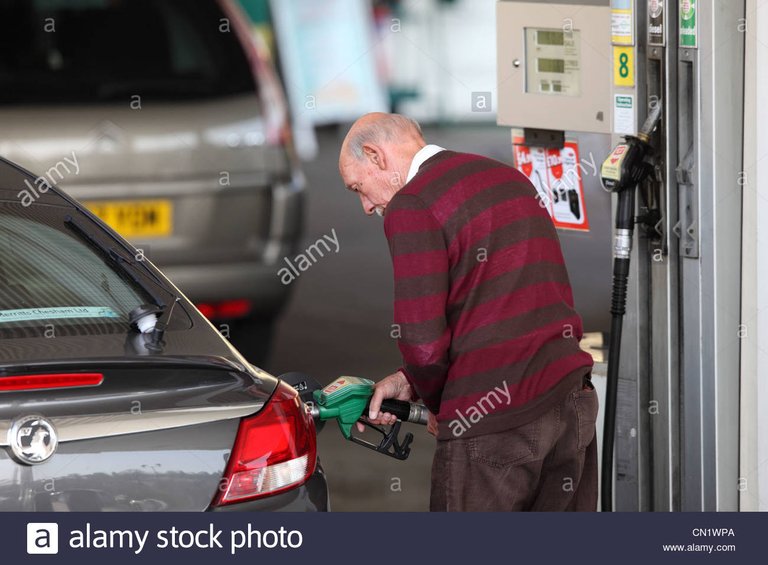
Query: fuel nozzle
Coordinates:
[347,399]
[628,165]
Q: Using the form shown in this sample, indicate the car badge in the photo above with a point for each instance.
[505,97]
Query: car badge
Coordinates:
[33,439]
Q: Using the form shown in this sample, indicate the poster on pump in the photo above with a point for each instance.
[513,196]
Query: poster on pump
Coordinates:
[556,175]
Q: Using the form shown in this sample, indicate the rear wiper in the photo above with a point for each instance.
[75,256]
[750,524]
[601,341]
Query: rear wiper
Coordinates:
[163,303]
[118,259]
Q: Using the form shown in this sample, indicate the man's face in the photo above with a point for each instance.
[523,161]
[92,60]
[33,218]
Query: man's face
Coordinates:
[373,184]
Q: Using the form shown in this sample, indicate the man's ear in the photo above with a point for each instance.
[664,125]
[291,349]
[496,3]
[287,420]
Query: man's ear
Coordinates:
[375,155]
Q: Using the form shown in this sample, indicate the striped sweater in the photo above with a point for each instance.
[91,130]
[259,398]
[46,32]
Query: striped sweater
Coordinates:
[483,305]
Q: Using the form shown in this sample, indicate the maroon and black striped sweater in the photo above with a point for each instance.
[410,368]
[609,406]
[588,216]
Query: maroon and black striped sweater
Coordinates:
[488,332]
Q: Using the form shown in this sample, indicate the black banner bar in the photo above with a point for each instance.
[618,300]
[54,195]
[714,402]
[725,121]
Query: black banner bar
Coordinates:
[381,538]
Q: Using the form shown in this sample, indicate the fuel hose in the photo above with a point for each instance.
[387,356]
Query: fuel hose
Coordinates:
[622,248]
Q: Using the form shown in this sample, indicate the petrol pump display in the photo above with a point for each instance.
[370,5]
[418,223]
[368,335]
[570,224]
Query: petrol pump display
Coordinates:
[554,66]
[552,62]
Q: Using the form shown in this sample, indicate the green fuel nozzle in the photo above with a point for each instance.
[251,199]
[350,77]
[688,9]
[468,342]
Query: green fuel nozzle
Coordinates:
[346,400]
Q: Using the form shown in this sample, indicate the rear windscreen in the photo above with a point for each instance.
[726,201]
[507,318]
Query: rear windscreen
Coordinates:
[85,51]
[53,281]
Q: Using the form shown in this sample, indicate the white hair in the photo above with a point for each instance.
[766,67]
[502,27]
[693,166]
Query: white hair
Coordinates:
[386,128]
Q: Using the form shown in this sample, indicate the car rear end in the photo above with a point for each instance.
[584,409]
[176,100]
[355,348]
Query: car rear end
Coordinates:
[154,437]
[167,120]
[92,419]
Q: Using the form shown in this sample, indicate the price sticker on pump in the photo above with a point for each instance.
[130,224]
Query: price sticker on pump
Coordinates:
[622,22]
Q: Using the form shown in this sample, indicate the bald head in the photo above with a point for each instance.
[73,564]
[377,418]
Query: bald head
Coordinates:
[379,128]
[376,155]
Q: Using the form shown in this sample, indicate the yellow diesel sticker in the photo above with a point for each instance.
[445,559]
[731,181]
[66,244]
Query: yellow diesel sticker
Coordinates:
[136,218]
[624,66]
[611,168]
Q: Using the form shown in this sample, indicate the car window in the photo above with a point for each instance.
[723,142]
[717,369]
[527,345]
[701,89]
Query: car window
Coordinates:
[50,277]
[83,51]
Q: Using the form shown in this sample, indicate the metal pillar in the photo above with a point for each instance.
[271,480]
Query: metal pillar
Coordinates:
[710,98]
[678,414]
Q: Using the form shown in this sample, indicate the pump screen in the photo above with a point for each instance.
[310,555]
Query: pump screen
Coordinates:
[544,37]
[553,62]
[551,65]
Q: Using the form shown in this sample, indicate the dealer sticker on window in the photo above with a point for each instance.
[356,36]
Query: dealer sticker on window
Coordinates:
[58,313]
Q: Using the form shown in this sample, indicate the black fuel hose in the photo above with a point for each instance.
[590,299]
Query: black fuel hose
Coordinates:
[621,251]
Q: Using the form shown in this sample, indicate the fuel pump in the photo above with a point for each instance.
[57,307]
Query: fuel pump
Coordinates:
[626,167]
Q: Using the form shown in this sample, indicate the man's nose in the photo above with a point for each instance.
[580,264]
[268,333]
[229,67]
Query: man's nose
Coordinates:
[368,206]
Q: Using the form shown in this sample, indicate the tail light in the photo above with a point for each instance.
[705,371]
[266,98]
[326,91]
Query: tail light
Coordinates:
[274,451]
[229,309]
[206,310]
[233,309]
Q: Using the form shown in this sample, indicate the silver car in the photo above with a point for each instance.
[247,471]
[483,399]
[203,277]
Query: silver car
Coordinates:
[166,118]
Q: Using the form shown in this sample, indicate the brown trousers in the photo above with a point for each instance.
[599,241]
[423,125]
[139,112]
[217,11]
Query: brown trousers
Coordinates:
[549,464]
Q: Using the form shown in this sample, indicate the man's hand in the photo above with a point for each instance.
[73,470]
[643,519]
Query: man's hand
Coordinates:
[394,386]
[432,424]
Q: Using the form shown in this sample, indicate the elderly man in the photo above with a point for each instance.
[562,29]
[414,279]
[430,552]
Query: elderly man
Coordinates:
[489,336]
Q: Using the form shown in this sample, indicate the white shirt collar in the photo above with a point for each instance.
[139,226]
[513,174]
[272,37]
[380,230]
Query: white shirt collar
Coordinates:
[422,155]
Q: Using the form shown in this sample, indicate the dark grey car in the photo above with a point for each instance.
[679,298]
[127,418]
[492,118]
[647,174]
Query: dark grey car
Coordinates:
[116,393]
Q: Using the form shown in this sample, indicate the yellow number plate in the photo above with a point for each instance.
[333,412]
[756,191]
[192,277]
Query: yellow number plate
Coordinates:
[136,218]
